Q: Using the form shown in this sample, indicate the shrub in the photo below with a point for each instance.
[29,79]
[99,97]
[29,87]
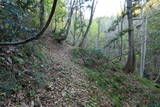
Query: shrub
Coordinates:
[18,60]
[18,71]
[60,36]
[90,57]
[33,49]
[13,18]
[121,89]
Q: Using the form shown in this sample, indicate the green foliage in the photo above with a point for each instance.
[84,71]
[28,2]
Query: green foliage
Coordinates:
[121,88]
[94,27]
[18,60]
[31,93]
[17,80]
[153,38]
[13,77]
[28,49]
[149,84]
[13,18]
[60,12]
[7,83]
[92,102]
[105,83]
[90,57]
[39,53]
[60,36]
[154,104]
[37,77]
[32,49]
[154,32]
[95,59]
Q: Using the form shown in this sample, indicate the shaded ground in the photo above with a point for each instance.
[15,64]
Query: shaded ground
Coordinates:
[69,86]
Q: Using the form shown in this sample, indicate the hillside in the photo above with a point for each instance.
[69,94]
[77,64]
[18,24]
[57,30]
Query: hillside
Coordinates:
[79,53]
[69,84]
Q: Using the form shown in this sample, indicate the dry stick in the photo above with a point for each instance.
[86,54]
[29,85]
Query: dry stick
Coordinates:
[40,32]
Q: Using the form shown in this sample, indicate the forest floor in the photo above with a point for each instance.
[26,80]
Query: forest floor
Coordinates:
[67,85]
[70,86]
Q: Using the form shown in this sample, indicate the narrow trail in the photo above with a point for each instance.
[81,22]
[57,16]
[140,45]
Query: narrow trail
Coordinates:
[69,86]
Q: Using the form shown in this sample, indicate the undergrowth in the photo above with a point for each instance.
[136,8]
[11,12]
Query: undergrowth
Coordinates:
[94,59]
[124,89]
[22,68]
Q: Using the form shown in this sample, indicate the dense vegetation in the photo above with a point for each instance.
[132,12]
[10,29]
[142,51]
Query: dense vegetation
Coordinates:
[50,46]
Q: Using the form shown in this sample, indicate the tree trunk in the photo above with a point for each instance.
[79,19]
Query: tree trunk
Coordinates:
[143,48]
[90,22]
[130,65]
[68,24]
[121,39]
[75,28]
[99,31]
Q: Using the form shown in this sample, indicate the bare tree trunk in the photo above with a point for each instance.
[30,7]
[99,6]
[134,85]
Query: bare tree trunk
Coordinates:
[81,21]
[75,28]
[143,39]
[90,22]
[130,65]
[99,31]
[143,49]
[121,39]
[68,24]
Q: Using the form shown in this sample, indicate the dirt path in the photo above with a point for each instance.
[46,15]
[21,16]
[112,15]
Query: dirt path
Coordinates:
[69,86]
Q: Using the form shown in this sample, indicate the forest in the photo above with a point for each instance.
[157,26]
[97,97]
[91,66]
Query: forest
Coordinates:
[63,53]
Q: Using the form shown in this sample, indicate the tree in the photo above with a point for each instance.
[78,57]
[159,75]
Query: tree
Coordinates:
[121,30]
[130,65]
[89,24]
[78,22]
[143,39]
[68,24]
[121,38]
[99,31]
[143,47]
